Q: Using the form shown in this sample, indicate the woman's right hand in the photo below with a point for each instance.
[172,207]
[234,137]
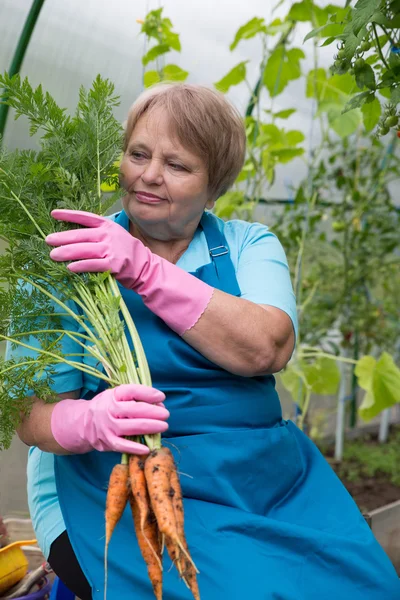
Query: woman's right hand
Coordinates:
[102,423]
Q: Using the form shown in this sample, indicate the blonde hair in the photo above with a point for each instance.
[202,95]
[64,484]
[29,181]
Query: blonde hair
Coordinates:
[204,122]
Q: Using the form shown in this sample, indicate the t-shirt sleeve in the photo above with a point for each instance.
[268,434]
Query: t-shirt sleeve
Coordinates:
[66,378]
[263,272]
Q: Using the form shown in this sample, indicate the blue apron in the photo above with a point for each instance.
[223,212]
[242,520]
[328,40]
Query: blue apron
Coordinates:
[265,516]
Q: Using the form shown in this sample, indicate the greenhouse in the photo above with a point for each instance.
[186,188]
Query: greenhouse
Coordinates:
[199,300]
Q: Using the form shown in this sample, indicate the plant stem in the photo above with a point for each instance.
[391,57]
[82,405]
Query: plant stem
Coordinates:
[136,341]
[63,331]
[379,46]
[96,319]
[28,213]
[317,354]
[17,365]
[302,415]
[98,166]
[153,441]
[85,368]
[69,311]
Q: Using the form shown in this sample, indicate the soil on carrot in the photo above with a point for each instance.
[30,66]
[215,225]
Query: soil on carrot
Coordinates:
[370,471]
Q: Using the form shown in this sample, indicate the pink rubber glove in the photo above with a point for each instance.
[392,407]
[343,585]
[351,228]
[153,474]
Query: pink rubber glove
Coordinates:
[177,297]
[80,426]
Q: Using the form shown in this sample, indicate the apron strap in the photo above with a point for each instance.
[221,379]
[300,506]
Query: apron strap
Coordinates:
[220,255]
[217,247]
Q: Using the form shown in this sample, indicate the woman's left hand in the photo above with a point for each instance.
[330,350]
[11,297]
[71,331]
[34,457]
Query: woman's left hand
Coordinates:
[169,292]
[102,245]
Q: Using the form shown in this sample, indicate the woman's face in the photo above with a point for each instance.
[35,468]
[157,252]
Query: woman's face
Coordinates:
[166,184]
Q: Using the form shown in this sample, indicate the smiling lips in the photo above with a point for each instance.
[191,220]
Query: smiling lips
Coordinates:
[148,198]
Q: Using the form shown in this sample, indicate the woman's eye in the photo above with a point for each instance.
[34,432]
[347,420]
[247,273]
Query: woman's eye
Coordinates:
[176,167]
[137,155]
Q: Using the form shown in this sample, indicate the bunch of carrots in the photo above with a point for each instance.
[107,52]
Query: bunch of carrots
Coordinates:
[151,486]
[31,186]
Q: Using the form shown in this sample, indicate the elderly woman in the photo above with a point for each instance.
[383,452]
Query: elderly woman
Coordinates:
[265,515]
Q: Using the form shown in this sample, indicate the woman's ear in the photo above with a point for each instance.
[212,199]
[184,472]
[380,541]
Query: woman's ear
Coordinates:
[210,203]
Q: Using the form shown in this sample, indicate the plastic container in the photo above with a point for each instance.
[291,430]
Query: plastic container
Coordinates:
[19,528]
[13,564]
[41,594]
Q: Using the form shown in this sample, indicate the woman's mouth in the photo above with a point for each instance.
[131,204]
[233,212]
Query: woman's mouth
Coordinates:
[148,198]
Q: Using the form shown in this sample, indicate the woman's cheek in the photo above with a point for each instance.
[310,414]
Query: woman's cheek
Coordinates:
[126,176]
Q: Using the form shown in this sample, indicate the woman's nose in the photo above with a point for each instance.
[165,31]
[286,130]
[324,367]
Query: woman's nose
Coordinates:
[153,172]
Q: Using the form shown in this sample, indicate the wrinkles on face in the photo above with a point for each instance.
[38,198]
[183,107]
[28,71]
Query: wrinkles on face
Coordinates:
[166,183]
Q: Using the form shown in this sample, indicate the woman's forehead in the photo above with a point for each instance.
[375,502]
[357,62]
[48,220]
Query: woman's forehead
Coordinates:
[157,129]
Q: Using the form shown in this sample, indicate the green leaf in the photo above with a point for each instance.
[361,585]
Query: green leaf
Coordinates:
[248,30]
[338,13]
[372,59]
[268,164]
[172,39]
[381,380]
[392,23]
[385,92]
[308,11]
[285,155]
[277,26]
[234,77]
[316,83]
[323,376]
[371,112]
[335,89]
[363,11]
[282,66]
[343,124]
[150,78]
[270,134]
[300,11]
[247,171]
[154,52]
[328,41]
[395,95]
[364,370]
[365,76]
[174,73]
[351,40]
[357,101]
[227,204]
[329,29]
[381,19]
[294,381]
[285,114]
[294,137]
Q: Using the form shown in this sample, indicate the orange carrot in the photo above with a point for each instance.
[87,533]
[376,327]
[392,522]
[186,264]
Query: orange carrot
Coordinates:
[173,553]
[189,569]
[117,498]
[162,484]
[157,471]
[147,520]
[151,559]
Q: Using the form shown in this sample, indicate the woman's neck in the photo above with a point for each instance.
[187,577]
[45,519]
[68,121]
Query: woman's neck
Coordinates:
[171,250]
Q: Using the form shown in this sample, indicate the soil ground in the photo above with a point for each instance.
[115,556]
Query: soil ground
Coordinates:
[370,471]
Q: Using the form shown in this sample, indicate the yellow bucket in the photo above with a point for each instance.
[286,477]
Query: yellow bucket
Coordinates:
[13,564]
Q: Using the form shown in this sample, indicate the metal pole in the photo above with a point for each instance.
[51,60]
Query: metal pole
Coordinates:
[384,425]
[19,54]
[354,384]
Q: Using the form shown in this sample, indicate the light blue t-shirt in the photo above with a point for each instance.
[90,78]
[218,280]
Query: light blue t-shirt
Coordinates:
[263,277]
